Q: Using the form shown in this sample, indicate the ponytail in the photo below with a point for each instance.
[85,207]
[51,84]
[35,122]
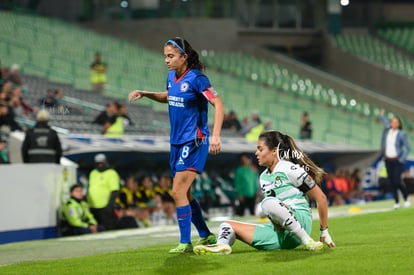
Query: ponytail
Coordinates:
[288,150]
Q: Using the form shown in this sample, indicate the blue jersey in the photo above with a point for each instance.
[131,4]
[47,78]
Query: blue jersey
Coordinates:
[188,105]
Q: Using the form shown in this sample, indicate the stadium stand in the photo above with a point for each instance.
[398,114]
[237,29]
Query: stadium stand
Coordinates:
[87,105]
[288,93]
[376,51]
[45,48]
[403,37]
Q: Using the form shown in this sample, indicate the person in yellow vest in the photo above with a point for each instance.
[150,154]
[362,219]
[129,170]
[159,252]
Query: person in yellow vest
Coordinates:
[114,126]
[254,128]
[103,189]
[98,74]
[76,216]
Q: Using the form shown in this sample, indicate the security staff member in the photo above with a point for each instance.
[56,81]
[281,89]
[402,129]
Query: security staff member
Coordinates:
[76,216]
[41,143]
[98,74]
[104,185]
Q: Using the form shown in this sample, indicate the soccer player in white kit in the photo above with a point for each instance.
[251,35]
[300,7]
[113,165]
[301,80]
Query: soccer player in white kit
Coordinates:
[289,177]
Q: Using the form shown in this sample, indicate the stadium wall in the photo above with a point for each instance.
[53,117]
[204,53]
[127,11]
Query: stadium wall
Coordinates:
[30,197]
[206,33]
[202,33]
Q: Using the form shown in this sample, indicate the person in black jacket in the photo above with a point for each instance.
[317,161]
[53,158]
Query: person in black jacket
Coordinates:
[41,143]
[103,116]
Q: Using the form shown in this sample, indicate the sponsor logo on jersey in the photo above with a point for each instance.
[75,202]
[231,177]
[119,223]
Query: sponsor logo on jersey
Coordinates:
[266,186]
[176,101]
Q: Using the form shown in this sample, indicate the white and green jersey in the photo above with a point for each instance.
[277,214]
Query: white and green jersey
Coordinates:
[288,182]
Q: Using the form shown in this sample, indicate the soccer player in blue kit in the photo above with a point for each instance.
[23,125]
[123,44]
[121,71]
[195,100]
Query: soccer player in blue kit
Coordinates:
[188,92]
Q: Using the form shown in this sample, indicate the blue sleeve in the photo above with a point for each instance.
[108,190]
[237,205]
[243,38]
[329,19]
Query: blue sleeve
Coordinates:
[385,121]
[201,83]
[406,147]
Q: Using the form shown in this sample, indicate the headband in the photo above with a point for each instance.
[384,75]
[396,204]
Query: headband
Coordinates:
[176,45]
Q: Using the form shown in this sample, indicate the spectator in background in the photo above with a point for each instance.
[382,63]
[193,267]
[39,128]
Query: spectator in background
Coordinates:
[77,219]
[20,107]
[268,125]
[103,116]
[103,189]
[7,118]
[4,155]
[246,184]
[254,128]
[394,150]
[14,75]
[232,122]
[357,192]
[305,127]
[150,199]
[244,124]
[11,80]
[53,103]
[114,126]
[98,74]
[123,110]
[128,203]
[164,191]
[337,188]
[49,101]
[41,143]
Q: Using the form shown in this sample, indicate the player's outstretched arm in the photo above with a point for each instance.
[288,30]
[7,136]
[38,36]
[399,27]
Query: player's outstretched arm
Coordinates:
[137,95]
[319,197]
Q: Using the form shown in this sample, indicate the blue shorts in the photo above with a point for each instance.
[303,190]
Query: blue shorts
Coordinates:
[191,156]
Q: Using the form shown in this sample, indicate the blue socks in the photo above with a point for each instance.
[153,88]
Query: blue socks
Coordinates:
[191,213]
[198,220]
[184,223]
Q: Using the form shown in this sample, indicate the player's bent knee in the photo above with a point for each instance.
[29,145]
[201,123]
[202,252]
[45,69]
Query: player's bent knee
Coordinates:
[268,204]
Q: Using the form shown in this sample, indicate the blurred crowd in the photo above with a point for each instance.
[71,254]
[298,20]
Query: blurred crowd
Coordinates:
[105,201]
[251,127]
[344,187]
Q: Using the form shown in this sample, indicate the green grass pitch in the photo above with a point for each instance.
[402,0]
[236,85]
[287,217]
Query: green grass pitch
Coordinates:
[369,242]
